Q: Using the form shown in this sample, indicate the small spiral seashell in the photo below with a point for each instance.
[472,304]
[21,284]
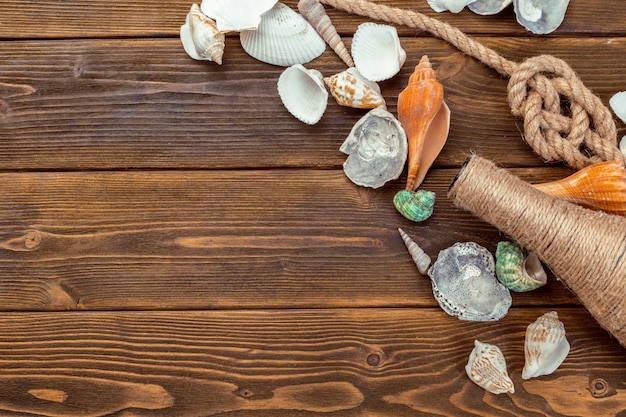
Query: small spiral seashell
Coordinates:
[201,38]
[415,205]
[545,346]
[517,271]
[421,258]
[486,367]
[351,89]
[315,13]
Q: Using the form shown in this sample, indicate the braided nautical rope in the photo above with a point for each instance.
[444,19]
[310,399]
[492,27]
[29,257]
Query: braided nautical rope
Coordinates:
[538,89]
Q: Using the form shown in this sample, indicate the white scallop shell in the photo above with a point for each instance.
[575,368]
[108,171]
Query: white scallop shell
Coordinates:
[618,105]
[455,6]
[545,346]
[201,38]
[236,15]
[488,7]
[303,93]
[283,38]
[377,52]
[486,367]
[351,89]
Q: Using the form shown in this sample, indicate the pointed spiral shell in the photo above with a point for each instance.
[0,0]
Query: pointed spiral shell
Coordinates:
[421,258]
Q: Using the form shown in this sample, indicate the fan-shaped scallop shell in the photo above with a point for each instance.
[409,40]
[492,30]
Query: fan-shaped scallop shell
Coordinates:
[421,258]
[545,346]
[415,205]
[314,12]
[303,93]
[486,367]
[283,38]
[377,52]
[236,15]
[201,38]
[488,7]
[351,89]
[517,270]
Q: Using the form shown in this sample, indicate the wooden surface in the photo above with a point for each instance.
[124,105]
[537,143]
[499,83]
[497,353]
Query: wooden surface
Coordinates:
[174,243]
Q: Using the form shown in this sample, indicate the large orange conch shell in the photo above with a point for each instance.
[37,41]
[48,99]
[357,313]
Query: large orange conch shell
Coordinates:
[600,186]
[425,118]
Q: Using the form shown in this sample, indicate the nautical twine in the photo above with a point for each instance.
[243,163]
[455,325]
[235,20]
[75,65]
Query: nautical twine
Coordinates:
[586,249]
[538,89]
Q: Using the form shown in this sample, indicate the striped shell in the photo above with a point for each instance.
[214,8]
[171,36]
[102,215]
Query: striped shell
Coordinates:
[303,93]
[351,89]
[377,52]
[518,271]
[236,15]
[415,205]
[201,38]
[486,367]
[545,346]
[421,258]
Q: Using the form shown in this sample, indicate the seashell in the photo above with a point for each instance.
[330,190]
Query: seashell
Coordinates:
[377,149]
[486,367]
[351,89]
[465,286]
[303,93]
[545,346]
[599,186]
[201,38]
[314,12]
[377,52]
[421,258]
[283,38]
[622,145]
[540,16]
[618,105]
[455,6]
[426,120]
[488,7]
[518,271]
[414,205]
[236,15]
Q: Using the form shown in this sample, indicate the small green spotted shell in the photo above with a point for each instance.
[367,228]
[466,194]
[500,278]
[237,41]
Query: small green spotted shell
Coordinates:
[517,272]
[414,205]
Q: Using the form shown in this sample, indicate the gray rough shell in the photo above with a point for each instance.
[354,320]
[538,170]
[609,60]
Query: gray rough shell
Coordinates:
[376,148]
[489,7]
[465,285]
[540,16]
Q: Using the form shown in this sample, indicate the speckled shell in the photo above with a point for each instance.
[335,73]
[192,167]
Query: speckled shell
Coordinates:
[303,93]
[283,38]
[545,346]
[415,205]
[421,258]
[201,38]
[315,13]
[488,7]
[486,367]
[377,52]
[518,271]
[236,16]
[351,89]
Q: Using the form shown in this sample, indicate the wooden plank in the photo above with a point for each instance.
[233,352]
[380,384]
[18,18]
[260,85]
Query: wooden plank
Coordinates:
[224,239]
[116,18]
[375,362]
[104,104]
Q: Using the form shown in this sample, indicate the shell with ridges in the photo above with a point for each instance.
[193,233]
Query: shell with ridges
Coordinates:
[377,52]
[315,13]
[236,15]
[415,205]
[518,271]
[283,38]
[303,93]
[545,346]
[421,258]
[486,367]
[600,186]
[488,7]
[351,89]
[454,6]
[201,38]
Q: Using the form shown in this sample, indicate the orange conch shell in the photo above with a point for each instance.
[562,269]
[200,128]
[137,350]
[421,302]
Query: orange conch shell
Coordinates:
[599,186]
[426,119]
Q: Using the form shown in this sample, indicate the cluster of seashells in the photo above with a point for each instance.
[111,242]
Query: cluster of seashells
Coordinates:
[537,16]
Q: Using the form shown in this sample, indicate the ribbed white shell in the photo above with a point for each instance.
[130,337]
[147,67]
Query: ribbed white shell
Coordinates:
[236,15]
[377,52]
[283,38]
[303,93]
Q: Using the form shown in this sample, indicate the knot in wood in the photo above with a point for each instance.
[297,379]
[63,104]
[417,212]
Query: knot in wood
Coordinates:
[563,120]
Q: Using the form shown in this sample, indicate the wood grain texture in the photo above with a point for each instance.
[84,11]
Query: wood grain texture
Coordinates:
[375,362]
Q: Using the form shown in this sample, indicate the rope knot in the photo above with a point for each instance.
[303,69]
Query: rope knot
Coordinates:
[563,119]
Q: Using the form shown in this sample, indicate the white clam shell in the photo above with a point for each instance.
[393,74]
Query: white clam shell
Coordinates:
[540,16]
[618,105]
[201,38]
[351,89]
[377,148]
[488,7]
[486,367]
[283,38]
[545,346]
[377,52]
[236,15]
[303,93]
[454,6]
[622,145]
